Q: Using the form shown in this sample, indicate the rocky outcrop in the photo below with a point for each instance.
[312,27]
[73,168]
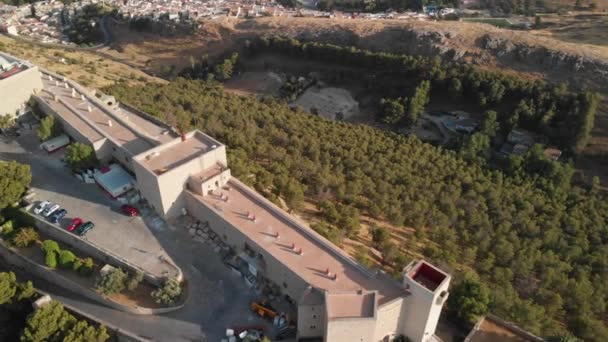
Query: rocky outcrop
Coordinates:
[480,44]
[578,70]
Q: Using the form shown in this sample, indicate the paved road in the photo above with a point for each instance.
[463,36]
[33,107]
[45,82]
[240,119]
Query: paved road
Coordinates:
[218,299]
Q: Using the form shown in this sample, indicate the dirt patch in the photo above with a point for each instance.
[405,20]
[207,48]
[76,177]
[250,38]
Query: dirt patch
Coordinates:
[329,102]
[255,83]
[141,296]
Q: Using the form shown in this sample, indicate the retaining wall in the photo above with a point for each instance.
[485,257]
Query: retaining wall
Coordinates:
[88,248]
[51,276]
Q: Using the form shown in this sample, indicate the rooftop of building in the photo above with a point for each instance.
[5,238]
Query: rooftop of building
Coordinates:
[67,114]
[493,329]
[98,122]
[211,172]
[426,275]
[316,260]
[350,304]
[177,152]
[159,133]
[10,66]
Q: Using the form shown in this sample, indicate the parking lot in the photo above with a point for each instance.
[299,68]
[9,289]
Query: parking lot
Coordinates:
[128,237]
[218,299]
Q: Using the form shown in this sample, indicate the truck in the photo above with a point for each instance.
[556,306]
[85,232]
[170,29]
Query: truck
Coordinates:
[55,143]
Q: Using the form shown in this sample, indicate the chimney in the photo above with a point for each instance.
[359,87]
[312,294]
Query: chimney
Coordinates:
[183,136]
[50,78]
[66,85]
[89,109]
[276,235]
[293,246]
[110,123]
[82,97]
[55,97]
[56,83]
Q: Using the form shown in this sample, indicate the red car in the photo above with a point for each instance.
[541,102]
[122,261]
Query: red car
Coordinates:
[129,210]
[75,223]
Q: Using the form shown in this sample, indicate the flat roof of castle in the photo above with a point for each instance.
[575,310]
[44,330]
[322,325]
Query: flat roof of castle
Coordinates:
[174,153]
[97,123]
[350,304]
[317,254]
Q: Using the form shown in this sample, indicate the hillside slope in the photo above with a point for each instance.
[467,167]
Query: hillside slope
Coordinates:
[527,53]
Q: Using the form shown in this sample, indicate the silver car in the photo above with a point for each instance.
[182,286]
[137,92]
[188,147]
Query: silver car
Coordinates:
[51,208]
[41,206]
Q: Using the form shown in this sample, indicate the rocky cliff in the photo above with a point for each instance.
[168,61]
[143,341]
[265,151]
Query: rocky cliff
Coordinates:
[481,44]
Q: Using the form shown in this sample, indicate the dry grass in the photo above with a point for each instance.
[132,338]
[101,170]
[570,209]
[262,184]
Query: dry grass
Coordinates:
[569,4]
[590,29]
[87,68]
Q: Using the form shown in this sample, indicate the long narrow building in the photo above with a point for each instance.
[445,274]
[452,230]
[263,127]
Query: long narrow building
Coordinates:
[337,299]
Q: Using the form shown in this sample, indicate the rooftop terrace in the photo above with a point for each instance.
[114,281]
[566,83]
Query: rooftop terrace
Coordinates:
[173,154]
[306,253]
[353,304]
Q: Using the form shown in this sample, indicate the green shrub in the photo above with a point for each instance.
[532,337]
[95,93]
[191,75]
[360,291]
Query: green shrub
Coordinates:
[134,280]
[51,259]
[53,323]
[66,258]
[50,246]
[7,228]
[169,293]
[112,282]
[87,267]
[80,156]
[25,290]
[25,237]
[76,265]
[49,128]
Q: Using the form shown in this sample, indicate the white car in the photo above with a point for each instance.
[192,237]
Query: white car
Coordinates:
[51,208]
[41,206]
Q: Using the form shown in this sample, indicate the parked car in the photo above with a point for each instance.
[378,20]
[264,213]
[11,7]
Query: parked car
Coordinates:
[129,210]
[84,228]
[51,208]
[41,206]
[58,215]
[77,221]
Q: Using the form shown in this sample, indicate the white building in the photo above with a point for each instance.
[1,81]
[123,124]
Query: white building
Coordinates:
[18,81]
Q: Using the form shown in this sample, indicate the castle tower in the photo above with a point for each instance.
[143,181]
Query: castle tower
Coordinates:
[428,286]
